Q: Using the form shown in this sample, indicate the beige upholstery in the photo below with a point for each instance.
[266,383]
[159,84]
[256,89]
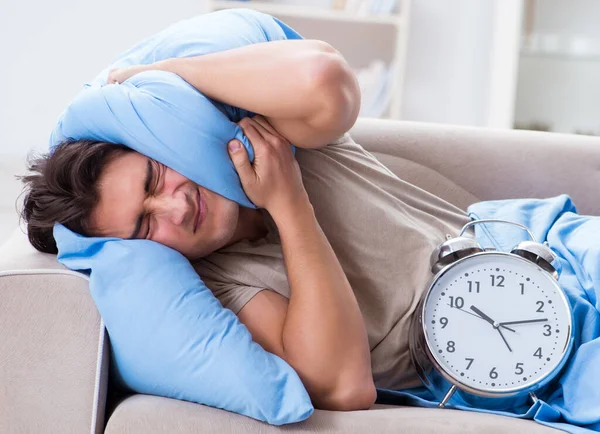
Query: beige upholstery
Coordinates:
[53,352]
[53,359]
[152,415]
[466,164]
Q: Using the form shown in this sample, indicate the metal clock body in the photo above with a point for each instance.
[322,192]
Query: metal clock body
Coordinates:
[491,324]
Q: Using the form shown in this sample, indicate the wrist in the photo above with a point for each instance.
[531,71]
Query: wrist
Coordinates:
[172,64]
[291,211]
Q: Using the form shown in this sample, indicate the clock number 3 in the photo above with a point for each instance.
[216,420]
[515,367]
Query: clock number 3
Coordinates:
[548,331]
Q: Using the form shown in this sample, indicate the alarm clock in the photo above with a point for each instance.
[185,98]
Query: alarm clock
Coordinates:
[493,327]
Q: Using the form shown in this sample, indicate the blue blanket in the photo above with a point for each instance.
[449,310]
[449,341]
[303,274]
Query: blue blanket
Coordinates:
[573,404]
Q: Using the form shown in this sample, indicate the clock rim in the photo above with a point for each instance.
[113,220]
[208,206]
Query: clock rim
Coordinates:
[483,391]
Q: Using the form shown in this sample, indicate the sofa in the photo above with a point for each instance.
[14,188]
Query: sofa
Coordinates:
[55,353]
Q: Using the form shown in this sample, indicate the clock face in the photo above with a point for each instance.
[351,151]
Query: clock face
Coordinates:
[496,322]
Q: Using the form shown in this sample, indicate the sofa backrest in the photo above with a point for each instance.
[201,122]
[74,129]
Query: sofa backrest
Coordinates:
[467,164]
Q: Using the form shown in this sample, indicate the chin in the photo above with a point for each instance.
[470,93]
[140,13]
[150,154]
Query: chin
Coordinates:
[222,232]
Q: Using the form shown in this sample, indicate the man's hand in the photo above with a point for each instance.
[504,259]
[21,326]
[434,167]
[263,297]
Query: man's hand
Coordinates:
[273,180]
[119,75]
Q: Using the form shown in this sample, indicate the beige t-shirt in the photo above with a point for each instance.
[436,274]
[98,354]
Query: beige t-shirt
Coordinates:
[382,230]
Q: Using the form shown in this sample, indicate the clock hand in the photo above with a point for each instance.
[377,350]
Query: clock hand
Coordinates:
[465,311]
[524,322]
[484,316]
[493,323]
[507,328]
[477,316]
[504,339]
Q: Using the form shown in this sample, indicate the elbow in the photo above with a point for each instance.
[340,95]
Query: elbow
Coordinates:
[350,397]
[335,87]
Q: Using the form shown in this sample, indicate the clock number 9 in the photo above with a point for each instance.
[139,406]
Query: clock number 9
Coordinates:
[444,322]
[493,373]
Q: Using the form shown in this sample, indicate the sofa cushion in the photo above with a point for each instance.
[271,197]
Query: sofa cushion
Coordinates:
[149,415]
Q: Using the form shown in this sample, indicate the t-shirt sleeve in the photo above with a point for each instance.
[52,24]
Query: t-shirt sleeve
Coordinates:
[232,295]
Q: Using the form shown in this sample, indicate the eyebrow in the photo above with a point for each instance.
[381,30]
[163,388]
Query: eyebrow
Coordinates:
[140,219]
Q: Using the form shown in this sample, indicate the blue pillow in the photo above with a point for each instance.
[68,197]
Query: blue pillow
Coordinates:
[170,336]
[160,115]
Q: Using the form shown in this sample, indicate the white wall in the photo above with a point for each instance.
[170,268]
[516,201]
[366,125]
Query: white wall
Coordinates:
[561,90]
[50,48]
[448,65]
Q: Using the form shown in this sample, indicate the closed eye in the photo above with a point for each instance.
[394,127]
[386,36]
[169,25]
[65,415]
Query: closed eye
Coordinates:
[150,187]
[156,175]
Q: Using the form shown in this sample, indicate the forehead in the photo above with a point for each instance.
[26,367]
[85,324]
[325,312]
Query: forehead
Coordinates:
[120,196]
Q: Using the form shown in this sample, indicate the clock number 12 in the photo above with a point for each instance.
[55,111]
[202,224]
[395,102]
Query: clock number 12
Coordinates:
[500,279]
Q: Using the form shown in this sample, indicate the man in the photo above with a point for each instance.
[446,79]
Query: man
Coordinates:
[328,272]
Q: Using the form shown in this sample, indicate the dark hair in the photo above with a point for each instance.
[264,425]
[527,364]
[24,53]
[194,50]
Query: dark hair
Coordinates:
[63,188]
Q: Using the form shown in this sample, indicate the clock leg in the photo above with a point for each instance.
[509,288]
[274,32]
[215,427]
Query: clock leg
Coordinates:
[533,397]
[447,397]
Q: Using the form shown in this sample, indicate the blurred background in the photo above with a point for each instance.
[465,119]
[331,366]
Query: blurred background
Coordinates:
[528,64]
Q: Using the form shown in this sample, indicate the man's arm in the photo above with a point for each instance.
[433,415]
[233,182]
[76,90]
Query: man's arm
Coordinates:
[304,88]
[320,332]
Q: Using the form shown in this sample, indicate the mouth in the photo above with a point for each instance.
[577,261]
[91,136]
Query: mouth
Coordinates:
[200,210]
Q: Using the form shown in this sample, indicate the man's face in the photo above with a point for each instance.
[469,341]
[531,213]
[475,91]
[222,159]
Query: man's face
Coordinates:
[143,199]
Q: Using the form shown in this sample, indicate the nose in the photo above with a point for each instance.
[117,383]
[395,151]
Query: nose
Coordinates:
[176,207]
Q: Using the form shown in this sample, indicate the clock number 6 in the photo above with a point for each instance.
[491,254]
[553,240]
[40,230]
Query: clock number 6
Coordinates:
[493,373]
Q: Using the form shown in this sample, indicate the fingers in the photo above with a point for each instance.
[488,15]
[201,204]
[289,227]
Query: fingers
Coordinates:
[119,75]
[260,128]
[112,76]
[240,160]
[262,121]
[251,130]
